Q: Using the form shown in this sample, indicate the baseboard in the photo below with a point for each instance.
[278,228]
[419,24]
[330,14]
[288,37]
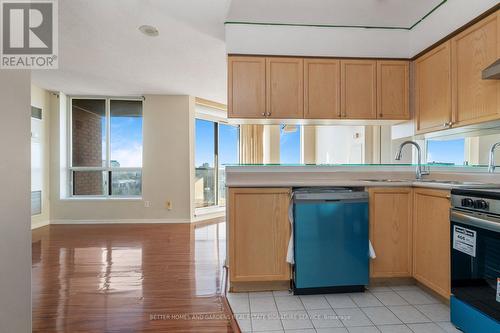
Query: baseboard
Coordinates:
[209,216]
[121,221]
[39,224]
[236,287]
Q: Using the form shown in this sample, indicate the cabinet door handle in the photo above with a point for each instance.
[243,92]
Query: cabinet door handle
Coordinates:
[263,114]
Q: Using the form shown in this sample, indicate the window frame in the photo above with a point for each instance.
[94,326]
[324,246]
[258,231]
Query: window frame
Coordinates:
[216,123]
[107,168]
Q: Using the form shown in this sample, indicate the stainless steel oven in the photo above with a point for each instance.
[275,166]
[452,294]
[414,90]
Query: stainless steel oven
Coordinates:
[475,259]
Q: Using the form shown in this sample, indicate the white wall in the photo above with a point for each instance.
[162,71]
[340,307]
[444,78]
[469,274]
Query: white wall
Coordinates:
[340,144]
[15,225]
[446,19]
[41,98]
[168,169]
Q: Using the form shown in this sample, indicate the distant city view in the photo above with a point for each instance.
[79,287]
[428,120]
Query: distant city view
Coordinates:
[90,146]
[206,192]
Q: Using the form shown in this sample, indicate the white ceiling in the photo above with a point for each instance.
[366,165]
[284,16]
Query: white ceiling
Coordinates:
[101,51]
[373,13]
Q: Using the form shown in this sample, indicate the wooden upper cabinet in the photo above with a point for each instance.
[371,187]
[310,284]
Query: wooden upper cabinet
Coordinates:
[474,99]
[433,89]
[259,232]
[392,89]
[321,89]
[246,87]
[285,88]
[431,239]
[358,89]
[391,231]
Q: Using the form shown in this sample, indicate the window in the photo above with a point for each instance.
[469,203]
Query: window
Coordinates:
[290,144]
[216,145]
[37,159]
[446,151]
[106,147]
[205,161]
[228,154]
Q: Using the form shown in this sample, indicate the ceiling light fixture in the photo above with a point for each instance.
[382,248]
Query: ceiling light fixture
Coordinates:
[149,30]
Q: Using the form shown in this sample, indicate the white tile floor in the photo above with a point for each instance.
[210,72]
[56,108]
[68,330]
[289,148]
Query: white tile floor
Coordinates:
[388,309]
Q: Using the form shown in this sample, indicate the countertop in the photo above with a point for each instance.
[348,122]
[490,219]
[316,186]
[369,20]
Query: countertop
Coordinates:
[356,176]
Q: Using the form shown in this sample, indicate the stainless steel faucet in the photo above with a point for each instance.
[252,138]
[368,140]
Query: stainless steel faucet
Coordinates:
[419,171]
[491,163]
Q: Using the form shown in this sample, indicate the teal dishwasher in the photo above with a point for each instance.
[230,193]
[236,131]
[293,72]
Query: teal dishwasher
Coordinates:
[331,250]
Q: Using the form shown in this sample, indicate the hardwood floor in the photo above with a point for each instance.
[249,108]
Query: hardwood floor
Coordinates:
[129,278]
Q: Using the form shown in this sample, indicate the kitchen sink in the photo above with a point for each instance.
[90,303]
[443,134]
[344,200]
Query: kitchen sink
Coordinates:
[452,182]
[386,180]
[456,183]
[433,181]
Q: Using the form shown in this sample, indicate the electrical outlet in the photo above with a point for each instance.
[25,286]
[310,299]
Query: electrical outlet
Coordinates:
[147,204]
[168,205]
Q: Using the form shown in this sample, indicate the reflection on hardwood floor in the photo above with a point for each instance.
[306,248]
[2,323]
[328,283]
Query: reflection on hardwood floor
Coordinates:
[129,278]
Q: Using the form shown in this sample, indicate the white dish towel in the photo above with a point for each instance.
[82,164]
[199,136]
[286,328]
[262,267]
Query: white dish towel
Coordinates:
[290,254]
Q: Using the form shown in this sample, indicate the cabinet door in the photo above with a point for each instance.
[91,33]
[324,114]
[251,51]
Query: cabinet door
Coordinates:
[431,239]
[358,89]
[259,232]
[474,99]
[285,88]
[246,87]
[321,89]
[391,232]
[433,89]
[392,89]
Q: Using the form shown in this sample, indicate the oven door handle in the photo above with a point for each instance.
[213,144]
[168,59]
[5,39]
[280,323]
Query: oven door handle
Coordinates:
[492,225]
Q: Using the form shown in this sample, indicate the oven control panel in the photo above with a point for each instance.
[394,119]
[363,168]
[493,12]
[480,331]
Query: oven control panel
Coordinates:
[485,205]
[480,204]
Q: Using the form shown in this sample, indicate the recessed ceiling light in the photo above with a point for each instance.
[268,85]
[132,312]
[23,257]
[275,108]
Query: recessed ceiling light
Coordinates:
[149,30]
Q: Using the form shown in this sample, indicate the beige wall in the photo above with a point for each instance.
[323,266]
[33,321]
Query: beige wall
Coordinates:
[271,142]
[15,226]
[309,144]
[41,98]
[168,169]
[480,149]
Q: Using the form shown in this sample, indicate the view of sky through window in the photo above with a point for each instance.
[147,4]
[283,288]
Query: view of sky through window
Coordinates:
[126,133]
[290,146]
[446,151]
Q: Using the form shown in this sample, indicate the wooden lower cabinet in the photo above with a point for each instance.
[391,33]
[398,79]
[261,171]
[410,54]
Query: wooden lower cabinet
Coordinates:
[431,239]
[391,231]
[259,231]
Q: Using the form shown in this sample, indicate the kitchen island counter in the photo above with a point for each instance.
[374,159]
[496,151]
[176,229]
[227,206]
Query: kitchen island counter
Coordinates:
[441,177]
